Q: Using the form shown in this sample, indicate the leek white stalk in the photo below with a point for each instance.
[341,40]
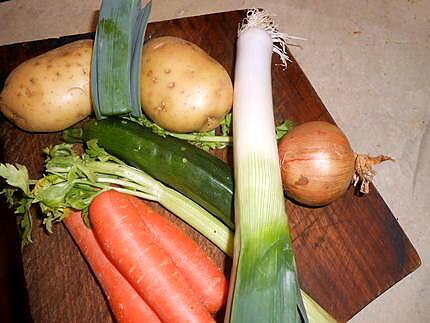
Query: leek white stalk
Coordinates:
[264,285]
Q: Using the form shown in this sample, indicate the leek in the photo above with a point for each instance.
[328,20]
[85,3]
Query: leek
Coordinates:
[115,77]
[264,285]
[316,314]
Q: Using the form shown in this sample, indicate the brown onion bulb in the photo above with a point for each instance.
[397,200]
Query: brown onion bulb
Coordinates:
[317,163]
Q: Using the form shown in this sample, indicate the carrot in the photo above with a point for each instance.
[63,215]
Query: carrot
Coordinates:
[133,250]
[204,277]
[126,304]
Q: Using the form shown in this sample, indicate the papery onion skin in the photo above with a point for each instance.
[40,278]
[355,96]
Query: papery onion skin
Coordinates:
[317,163]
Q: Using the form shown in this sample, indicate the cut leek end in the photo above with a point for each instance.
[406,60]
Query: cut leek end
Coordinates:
[316,314]
[115,77]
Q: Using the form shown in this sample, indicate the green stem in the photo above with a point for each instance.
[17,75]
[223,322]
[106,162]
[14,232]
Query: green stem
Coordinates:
[135,193]
[191,137]
[199,219]
[146,182]
[123,183]
[73,135]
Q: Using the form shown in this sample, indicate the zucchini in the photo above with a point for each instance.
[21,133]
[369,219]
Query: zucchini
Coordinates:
[200,176]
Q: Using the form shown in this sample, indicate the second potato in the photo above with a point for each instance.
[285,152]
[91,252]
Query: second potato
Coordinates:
[183,89]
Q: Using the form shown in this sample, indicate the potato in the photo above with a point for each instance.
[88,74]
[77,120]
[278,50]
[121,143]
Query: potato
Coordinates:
[183,89]
[50,92]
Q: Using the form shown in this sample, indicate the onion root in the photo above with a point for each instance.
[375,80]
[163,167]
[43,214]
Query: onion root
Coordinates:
[364,172]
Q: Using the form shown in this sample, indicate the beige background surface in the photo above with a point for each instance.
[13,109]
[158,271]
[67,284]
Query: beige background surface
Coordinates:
[368,61]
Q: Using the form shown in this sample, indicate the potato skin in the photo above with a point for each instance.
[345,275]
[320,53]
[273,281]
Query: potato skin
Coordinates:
[50,92]
[183,89]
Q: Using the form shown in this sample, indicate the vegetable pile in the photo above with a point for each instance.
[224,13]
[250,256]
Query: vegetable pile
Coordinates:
[95,182]
[154,104]
[204,178]
[72,181]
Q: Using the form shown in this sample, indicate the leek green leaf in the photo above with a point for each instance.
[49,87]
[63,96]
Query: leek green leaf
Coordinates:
[115,77]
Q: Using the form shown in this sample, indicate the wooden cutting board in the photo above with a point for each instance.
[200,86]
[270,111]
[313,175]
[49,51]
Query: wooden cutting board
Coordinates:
[347,253]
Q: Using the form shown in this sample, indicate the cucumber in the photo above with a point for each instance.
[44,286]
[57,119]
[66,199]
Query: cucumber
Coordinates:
[200,176]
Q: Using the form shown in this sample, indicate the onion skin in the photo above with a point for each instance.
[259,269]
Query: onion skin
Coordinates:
[317,163]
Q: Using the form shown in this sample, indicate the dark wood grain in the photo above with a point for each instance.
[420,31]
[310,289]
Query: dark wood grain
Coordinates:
[347,253]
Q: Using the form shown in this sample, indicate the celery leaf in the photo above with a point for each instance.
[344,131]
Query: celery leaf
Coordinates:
[283,128]
[9,195]
[26,221]
[16,176]
[226,125]
[95,151]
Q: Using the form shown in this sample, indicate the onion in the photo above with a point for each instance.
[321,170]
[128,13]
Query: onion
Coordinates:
[318,164]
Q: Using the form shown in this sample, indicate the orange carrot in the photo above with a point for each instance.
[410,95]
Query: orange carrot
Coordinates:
[133,250]
[204,277]
[126,304]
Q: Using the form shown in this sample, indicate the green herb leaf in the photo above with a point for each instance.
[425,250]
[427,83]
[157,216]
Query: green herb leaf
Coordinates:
[53,196]
[9,194]
[80,196]
[226,125]
[204,140]
[144,121]
[26,221]
[283,128]
[16,176]
[207,140]
[72,135]
[95,151]
[60,150]
[85,217]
